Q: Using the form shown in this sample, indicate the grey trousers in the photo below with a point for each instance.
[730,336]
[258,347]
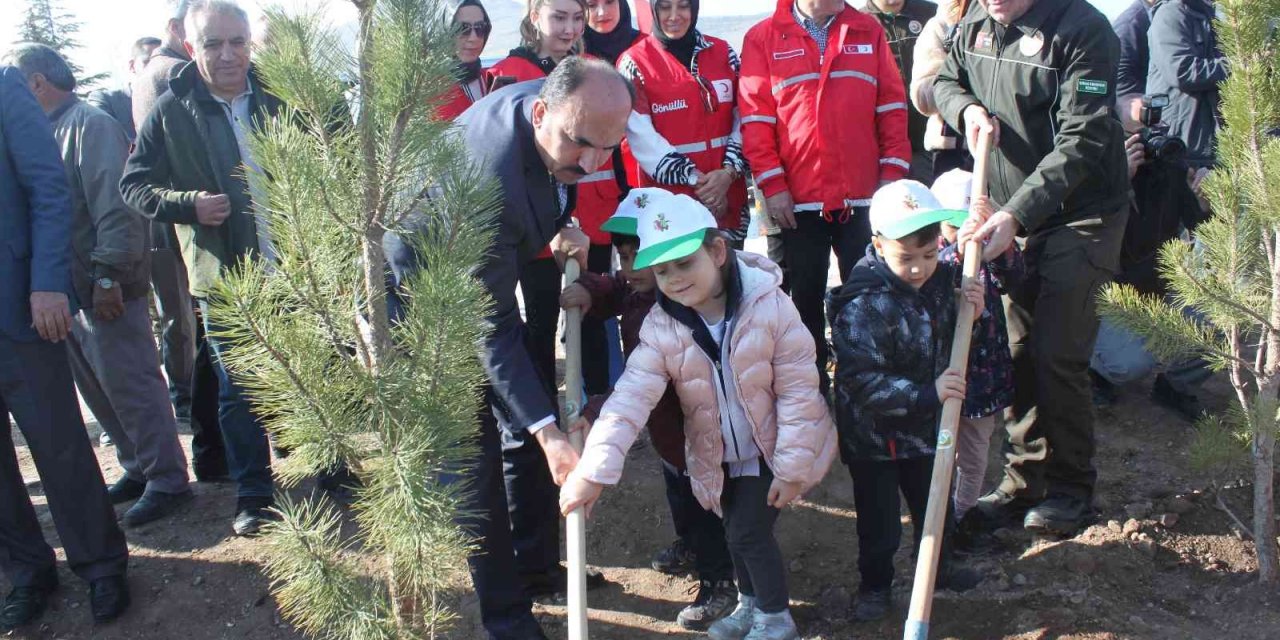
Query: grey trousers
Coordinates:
[36,387]
[116,368]
[177,322]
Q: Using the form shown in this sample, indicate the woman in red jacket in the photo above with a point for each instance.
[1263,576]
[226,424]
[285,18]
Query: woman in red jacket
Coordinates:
[472,27]
[685,132]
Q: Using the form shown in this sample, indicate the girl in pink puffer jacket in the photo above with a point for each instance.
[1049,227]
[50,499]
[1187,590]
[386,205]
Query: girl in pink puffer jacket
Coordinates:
[758,433]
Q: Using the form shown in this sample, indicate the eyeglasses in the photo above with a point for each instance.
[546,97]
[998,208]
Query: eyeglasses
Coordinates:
[482,28]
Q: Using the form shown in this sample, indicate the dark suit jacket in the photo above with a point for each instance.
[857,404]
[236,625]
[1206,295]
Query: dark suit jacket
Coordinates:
[35,208]
[498,135]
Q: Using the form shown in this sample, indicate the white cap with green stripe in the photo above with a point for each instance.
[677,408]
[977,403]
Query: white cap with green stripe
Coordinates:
[670,226]
[904,207]
[623,220]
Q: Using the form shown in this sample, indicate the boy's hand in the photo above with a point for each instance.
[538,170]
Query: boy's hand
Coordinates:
[578,492]
[575,295]
[976,294]
[950,385]
[980,210]
[781,493]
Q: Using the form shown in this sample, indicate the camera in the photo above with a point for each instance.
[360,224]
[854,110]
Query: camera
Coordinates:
[1156,141]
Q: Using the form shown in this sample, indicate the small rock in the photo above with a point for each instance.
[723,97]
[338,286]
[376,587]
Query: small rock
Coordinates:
[1179,505]
[1167,520]
[75,605]
[197,581]
[1114,525]
[1019,579]
[796,566]
[1239,534]
[1077,598]
[1147,547]
[1131,527]
[1138,510]
[1137,622]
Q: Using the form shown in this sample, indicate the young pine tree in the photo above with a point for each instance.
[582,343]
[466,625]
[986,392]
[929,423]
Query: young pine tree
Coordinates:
[355,151]
[1232,276]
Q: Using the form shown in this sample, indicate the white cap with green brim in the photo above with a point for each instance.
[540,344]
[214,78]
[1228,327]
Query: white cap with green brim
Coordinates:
[902,208]
[670,227]
[623,220]
[952,190]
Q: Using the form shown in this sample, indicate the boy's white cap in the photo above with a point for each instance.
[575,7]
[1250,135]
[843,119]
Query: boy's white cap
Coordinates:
[670,227]
[903,207]
[953,190]
[623,220]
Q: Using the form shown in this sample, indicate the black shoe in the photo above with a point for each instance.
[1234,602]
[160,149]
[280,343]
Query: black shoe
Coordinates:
[108,598]
[1001,508]
[25,604]
[973,533]
[556,582]
[154,505]
[872,605]
[125,489]
[1059,514]
[677,559]
[210,472]
[959,578]
[1105,393]
[252,513]
[715,600]
[1184,404]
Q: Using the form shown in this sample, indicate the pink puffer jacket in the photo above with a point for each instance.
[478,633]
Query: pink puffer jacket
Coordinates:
[772,363]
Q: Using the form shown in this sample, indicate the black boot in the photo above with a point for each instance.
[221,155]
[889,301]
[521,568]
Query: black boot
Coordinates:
[1059,514]
[108,598]
[25,604]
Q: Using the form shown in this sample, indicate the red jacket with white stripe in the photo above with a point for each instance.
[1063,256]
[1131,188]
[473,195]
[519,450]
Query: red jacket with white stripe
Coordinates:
[598,193]
[831,127]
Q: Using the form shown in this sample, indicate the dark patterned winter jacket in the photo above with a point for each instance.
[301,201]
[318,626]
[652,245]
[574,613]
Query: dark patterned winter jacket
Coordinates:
[891,344]
[989,378]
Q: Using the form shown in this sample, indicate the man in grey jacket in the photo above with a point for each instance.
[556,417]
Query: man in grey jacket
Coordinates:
[113,353]
[1187,66]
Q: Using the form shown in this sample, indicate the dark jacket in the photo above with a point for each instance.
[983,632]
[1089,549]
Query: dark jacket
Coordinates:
[117,103]
[989,376]
[498,135]
[1187,65]
[1163,205]
[612,298]
[1131,28]
[35,209]
[151,83]
[108,239]
[186,145]
[1050,80]
[902,29]
[891,344]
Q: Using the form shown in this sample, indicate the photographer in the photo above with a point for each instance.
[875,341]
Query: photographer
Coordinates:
[1165,202]
[1187,66]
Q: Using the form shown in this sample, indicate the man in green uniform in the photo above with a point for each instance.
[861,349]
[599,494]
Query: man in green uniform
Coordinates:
[903,21]
[1040,76]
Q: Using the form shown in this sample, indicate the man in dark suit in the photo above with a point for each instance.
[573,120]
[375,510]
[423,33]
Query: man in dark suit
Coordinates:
[35,380]
[537,140]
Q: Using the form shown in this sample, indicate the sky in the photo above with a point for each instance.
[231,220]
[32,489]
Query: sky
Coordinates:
[110,26]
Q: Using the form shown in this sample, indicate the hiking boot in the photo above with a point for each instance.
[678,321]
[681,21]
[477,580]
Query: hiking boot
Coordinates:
[154,505]
[773,626]
[736,625]
[125,489]
[1105,392]
[872,605]
[1002,508]
[958,578]
[677,559]
[715,600]
[1059,514]
[1186,405]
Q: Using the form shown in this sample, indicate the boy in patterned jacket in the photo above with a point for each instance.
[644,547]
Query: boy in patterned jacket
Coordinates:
[892,325]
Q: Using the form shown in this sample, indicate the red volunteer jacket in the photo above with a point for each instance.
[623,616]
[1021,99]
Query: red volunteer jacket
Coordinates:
[460,98]
[697,120]
[598,193]
[827,127]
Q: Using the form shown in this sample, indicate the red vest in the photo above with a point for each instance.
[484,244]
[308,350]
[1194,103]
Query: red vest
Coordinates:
[678,106]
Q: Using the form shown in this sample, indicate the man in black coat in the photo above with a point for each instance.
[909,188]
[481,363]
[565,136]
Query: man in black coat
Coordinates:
[537,140]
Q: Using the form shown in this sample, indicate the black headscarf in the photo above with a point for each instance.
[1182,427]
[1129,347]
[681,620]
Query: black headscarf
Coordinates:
[469,71]
[608,46]
[681,48]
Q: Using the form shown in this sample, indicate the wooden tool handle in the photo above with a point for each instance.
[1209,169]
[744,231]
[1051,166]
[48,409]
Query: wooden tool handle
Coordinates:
[576,521]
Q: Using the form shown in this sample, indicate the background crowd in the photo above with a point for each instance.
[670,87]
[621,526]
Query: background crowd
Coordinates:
[122,198]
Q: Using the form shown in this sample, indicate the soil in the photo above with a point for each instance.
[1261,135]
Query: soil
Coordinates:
[1193,578]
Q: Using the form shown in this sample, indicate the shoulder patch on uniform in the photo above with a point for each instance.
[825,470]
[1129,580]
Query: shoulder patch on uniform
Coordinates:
[1096,87]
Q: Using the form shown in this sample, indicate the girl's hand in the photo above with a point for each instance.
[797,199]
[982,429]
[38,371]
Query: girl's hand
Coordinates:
[781,493]
[575,295]
[976,294]
[980,210]
[578,492]
[950,385]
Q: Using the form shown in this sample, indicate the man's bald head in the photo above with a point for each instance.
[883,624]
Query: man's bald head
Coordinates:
[580,117]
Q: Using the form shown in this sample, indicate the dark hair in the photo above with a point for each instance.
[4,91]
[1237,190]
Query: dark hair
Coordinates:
[32,57]
[730,254]
[620,240]
[924,235]
[571,74]
[140,46]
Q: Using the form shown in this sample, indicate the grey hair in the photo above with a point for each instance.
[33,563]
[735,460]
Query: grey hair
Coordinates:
[569,76]
[33,57]
[214,7]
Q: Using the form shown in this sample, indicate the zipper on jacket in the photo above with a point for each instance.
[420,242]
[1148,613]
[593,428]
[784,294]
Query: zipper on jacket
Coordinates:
[998,38]
[728,409]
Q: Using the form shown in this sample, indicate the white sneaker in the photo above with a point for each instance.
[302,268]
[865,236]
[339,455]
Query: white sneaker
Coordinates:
[738,624]
[773,626]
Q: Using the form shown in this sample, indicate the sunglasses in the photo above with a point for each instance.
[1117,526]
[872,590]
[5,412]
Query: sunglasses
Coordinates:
[482,28]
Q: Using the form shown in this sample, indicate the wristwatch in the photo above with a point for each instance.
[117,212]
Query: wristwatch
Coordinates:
[106,284]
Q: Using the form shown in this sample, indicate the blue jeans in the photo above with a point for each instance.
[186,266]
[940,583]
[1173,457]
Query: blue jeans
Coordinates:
[248,451]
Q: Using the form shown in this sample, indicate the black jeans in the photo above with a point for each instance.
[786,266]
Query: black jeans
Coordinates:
[748,524]
[876,484]
[540,287]
[807,253]
[208,452]
[701,530]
